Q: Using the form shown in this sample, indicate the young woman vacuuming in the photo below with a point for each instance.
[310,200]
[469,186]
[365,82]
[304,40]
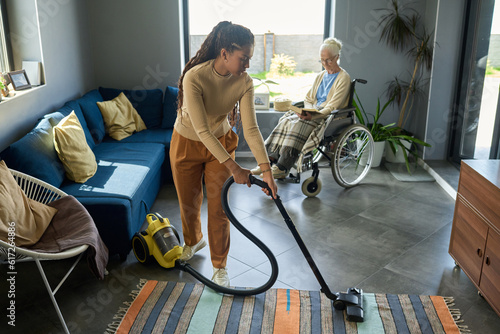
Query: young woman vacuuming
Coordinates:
[213,86]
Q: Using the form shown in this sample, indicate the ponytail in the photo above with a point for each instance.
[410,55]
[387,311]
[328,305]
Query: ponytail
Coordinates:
[224,35]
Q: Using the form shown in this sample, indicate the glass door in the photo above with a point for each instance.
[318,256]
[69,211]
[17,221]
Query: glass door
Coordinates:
[474,135]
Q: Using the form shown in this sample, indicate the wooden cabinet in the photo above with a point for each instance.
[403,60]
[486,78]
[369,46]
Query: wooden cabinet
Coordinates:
[475,236]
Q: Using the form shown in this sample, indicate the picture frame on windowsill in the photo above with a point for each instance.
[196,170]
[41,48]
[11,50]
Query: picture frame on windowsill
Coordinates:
[19,80]
[261,100]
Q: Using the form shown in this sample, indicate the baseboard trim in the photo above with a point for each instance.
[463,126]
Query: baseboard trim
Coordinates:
[442,183]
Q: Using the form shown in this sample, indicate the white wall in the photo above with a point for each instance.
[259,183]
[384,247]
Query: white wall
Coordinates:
[25,32]
[85,44]
[363,56]
[67,61]
[135,44]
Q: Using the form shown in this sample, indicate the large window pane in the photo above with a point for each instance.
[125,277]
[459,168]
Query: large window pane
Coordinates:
[477,97]
[289,30]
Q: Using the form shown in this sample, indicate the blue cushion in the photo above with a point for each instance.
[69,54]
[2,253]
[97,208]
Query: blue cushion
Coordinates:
[148,103]
[35,155]
[55,117]
[122,172]
[169,107]
[92,114]
[122,191]
[161,136]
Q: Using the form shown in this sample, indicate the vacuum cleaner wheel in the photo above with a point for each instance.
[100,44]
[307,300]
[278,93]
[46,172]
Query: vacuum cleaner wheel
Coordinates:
[339,305]
[141,249]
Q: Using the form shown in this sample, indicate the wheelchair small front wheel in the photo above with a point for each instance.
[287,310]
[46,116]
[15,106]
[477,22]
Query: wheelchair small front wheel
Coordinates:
[311,188]
[352,155]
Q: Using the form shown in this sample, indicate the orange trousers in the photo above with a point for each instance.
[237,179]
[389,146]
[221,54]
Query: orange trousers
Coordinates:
[192,163]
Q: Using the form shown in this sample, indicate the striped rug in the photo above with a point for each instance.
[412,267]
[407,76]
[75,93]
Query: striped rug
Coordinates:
[176,307]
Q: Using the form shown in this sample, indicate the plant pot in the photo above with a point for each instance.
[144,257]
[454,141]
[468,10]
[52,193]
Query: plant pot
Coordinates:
[399,156]
[364,156]
[378,153]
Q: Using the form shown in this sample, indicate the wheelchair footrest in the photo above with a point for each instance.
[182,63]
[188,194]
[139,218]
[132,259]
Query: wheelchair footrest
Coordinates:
[291,178]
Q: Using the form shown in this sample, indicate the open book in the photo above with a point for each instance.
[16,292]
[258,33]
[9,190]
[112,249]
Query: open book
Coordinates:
[304,110]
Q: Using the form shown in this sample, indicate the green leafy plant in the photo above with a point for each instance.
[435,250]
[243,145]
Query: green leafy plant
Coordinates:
[371,121]
[265,82]
[3,83]
[490,70]
[391,133]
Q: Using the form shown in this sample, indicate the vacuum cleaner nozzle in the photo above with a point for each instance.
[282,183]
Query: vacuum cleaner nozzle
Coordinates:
[159,240]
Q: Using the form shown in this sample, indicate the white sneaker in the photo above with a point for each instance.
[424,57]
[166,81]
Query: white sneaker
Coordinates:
[220,277]
[189,251]
[278,173]
[256,171]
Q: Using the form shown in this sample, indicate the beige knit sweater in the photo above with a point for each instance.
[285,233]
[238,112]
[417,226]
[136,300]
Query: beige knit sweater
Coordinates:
[208,99]
[337,98]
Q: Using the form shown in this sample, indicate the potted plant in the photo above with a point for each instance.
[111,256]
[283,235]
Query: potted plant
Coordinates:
[262,98]
[2,87]
[379,132]
[403,30]
[383,134]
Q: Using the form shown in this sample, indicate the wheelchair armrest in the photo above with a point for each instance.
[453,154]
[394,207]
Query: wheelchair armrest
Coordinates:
[344,111]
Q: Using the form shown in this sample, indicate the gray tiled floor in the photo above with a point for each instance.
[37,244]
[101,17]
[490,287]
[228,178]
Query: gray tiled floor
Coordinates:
[384,236]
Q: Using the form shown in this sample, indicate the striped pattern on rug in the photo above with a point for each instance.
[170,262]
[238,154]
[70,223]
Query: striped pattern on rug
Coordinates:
[177,307]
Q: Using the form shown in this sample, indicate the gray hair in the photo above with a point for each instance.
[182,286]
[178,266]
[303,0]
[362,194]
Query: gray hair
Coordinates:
[333,46]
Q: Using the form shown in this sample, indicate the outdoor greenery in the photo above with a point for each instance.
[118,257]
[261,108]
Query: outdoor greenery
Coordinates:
[282,65]
[293,86]
[490,70]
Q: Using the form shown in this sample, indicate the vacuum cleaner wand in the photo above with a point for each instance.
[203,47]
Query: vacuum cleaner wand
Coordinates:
[352,301]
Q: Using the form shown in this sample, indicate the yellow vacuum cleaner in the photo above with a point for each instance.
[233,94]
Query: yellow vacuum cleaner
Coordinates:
[159,240]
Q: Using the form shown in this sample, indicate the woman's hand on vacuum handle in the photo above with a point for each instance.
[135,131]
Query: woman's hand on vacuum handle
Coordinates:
[240,175]
[268,178]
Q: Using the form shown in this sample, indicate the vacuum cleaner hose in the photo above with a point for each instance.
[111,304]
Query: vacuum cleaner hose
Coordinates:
[272,259]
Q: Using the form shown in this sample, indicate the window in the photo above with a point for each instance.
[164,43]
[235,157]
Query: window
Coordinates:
[287,33]
[4,47]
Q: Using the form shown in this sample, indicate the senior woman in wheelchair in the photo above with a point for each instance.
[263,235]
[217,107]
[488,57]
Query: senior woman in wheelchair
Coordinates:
[330,91]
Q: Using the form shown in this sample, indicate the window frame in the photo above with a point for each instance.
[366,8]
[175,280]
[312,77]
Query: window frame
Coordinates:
[6,58]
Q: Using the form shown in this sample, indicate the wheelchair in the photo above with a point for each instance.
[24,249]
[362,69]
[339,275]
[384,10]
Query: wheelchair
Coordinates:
[346,145]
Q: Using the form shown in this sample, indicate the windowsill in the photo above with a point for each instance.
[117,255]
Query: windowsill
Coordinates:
[20,94]
[270,110]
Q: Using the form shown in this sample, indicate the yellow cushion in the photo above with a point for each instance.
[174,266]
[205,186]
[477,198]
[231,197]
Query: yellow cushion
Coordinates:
[73,151]
[120,117]
[22,220]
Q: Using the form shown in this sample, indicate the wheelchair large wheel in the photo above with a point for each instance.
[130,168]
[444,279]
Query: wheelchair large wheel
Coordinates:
[352,155]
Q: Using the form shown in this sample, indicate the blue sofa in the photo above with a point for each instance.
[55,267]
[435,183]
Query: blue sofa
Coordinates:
[129,173]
